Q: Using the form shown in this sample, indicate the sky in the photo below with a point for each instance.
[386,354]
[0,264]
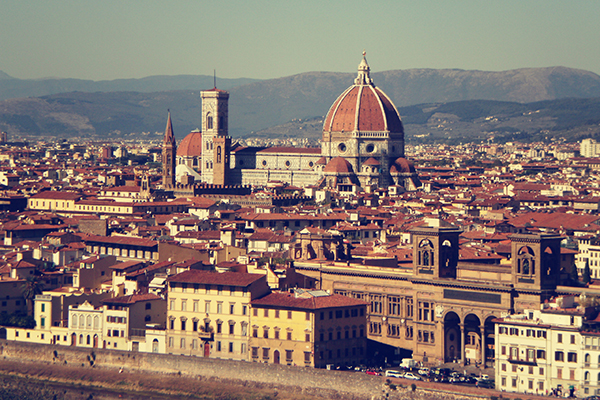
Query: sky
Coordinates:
[263,39]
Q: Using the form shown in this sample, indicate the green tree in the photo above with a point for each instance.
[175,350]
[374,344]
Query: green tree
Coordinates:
[587,275]
[32,286]
[574,275]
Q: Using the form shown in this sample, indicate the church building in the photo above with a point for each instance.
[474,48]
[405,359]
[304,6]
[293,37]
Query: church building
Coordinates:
[362,146]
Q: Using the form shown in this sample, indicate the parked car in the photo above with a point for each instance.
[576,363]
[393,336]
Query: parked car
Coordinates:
[424,371]
[394,374]
[410,375]
[487,383]
[371,372]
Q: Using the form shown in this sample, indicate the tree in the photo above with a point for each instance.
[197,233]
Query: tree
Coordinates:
[587,275]
[32,286]
[574,275]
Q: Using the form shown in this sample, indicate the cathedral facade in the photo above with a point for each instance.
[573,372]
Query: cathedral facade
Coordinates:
[362,146]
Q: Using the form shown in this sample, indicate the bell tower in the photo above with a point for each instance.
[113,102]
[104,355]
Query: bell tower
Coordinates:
[215,116]
[435,250]
[535,261]
[169,152]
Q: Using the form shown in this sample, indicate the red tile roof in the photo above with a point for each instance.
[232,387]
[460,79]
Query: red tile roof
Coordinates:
[216,278]
[289,300]
[132,299]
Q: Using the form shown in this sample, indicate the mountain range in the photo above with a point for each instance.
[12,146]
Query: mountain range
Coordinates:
[424,97]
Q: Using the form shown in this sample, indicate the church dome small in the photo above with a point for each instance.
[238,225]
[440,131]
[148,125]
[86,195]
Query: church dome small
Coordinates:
[372,162]
[402,166]
[363,107]
[338,165]
[191,145]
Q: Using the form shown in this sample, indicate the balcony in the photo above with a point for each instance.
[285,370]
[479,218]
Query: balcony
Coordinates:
[206,334]
[522,362]
[137,333]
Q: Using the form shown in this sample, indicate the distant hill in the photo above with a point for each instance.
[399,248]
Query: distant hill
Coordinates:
[259,107]
[11,88]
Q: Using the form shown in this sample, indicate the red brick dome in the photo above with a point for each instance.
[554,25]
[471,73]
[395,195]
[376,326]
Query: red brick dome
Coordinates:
[403,166]
[191,145]
[363,107]
[338,165]
[372,162]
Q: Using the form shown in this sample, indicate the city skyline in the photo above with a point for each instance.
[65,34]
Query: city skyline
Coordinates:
[267,39]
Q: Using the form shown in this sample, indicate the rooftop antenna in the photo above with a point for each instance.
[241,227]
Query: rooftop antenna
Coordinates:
[215,77]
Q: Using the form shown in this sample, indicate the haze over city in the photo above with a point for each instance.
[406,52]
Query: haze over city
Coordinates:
[376,200]
[270,39]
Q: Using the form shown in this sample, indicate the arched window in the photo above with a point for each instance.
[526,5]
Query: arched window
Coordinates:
[209,121]
[89,340]
[218,154]
[426,253]
[96,322]
[587,358]
[80,339]
[89,322]
[74,321]
[526,261]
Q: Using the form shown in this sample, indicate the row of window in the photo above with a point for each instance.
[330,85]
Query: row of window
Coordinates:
[207,307]
[529,354]
[206,289]
[530,384]
[398,306]
[533,333]
[503,330]
[193,345]
[85,322]
[277,314]
[347,334]
[586,376]
[195,326]
[266,354]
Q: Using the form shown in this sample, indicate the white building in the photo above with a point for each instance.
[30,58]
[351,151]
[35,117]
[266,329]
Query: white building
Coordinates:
[542,350]
[589,148]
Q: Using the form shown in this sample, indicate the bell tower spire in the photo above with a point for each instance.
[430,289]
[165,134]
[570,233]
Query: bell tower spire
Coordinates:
[169,151]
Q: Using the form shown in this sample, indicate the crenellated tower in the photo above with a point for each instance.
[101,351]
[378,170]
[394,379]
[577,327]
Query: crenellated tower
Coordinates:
[215,115]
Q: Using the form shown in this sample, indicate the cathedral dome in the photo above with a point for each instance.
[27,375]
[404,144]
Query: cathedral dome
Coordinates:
[338,165]
[363,107]
[191,145]
[402,166]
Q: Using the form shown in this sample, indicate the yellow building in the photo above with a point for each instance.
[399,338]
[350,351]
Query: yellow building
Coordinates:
[209,313]
[308,328]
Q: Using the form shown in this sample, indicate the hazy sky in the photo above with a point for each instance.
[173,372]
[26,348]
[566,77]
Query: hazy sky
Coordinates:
[106,39]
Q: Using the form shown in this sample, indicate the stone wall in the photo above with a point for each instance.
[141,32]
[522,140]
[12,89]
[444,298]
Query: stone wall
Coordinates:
[360,385]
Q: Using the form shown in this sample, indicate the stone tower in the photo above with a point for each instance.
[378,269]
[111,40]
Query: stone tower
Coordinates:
[222,146]
[435,251]
[215,115]
[169,151]
[535,261]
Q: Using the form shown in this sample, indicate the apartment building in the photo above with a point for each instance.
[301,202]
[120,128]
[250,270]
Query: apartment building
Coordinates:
[308,328]
[209,313]
[539,351]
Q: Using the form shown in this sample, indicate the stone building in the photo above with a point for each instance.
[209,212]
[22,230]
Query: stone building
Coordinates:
[441,309]
[362,146]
